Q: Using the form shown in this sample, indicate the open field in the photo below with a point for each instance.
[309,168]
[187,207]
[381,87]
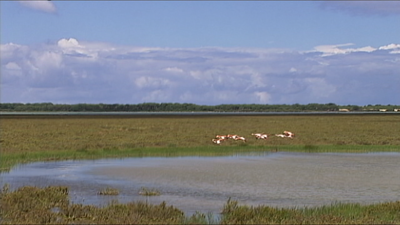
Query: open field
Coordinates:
[37,138]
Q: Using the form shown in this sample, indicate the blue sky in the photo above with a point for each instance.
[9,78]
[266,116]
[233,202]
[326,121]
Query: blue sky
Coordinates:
[202,52]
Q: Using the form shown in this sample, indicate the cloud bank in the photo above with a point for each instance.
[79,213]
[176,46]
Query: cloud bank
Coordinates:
[72,71]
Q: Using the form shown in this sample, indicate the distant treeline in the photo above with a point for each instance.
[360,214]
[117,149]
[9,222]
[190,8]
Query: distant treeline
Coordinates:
[187,107]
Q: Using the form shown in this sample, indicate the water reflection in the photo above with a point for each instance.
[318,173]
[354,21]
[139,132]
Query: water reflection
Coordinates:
[204,184]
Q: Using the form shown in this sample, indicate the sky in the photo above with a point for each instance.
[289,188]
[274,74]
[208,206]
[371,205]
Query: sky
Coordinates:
[201,52]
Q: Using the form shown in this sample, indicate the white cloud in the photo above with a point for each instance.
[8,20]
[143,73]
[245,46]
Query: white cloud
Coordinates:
[71,46]
[391,46]
[395,48]
[40,5]
[13,50]
[73,71]
[69,43]
[335,49]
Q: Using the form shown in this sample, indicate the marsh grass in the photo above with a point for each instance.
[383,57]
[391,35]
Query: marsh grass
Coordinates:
[30,139]
[337,213]
[149,192]
[50,205]
[109,191]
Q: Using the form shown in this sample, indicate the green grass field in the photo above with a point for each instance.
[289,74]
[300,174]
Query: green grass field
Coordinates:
[40,138]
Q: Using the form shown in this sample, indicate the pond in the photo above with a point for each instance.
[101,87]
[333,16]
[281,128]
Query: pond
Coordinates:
[204,184]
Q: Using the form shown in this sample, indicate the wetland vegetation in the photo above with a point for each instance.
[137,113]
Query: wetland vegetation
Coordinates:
[149,192]
[109,191]
[50,205]
[43,138]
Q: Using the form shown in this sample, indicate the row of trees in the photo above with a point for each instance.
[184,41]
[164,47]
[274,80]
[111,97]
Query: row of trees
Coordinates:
[184,107]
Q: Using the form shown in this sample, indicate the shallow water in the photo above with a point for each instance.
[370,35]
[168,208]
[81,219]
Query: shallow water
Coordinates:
[205,184]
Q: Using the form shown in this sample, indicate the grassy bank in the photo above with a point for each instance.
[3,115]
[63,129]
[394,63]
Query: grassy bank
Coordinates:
[22,207]
[41,138]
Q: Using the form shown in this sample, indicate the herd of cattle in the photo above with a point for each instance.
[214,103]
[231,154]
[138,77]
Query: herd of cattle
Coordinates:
[221,138]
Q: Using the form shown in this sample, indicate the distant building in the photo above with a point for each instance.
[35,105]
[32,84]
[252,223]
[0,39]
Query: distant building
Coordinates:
[396,110]
[344,110]
[382,110]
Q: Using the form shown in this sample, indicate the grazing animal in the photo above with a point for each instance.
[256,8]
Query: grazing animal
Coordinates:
[221,137]
[260,136]
[288,134]
[232,136]
[280,135]
[217,141]
[257,135]
[240,138]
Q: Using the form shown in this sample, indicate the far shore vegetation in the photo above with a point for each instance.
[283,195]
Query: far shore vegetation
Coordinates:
[188,107]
